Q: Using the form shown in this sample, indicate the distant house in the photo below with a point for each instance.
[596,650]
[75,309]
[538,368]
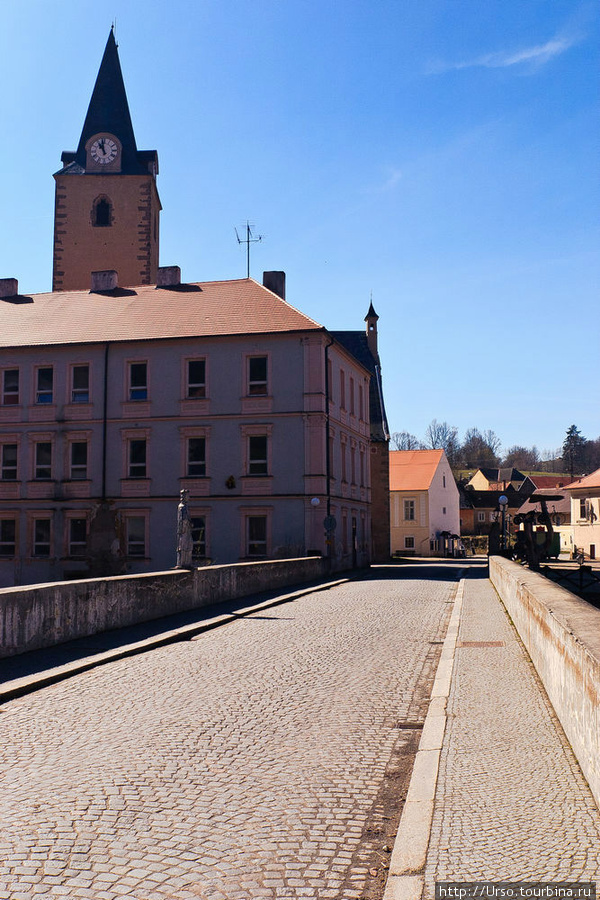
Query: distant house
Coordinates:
[424,504]
[480,509]
[585,513]
[500,480]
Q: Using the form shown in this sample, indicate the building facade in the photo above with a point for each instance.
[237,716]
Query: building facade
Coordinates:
[424,505]
[585,515]
[112,402]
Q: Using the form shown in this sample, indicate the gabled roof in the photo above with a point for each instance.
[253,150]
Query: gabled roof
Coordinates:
[550,481]
[356,342]
[147,313]
[505,474]
[559,506]
[413,470]
[471,499]
[591,482]
[109,112]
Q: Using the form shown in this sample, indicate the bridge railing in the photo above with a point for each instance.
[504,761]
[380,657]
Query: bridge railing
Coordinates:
[43,615]
[562,635]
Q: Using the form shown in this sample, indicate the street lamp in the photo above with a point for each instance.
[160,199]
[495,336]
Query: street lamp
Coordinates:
[503,503]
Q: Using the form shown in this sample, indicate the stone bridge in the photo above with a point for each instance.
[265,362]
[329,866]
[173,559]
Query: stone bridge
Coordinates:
[362,738]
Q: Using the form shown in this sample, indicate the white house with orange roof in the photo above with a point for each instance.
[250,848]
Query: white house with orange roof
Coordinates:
[585,514]
[424,504]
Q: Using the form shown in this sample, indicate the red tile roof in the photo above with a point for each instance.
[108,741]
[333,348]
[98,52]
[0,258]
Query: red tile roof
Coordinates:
[413,470]
[589,482]
[146,312]
[550,481]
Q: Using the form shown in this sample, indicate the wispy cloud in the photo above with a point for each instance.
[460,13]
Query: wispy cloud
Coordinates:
[394,176]
[537,56]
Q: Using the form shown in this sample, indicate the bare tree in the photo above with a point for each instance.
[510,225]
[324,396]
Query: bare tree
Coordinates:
[525,458]
[476,452]
[441,436]
[403,440]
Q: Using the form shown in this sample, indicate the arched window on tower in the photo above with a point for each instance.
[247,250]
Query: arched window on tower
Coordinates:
[102,212]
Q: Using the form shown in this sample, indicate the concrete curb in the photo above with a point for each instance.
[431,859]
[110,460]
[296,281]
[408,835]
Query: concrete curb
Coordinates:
[406,879]
[26,685]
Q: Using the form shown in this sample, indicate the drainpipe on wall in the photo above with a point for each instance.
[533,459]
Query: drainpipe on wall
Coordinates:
[327,443]
[105,420]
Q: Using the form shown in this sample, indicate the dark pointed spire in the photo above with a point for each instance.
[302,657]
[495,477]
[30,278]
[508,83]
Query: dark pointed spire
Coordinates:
[109,111]
[371,313]
[371,319]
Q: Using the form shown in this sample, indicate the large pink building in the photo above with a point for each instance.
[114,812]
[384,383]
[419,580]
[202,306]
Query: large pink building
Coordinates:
[112,401]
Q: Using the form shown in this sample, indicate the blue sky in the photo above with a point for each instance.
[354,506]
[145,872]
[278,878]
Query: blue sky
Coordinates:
[439,155]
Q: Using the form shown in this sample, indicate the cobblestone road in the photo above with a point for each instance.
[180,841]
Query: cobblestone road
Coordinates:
[512,803]
[244,764]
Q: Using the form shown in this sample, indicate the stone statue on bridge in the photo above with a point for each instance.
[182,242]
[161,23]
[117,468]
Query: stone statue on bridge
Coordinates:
[185,541]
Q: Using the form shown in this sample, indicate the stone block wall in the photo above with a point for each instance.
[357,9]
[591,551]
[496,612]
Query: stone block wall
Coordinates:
[43,615]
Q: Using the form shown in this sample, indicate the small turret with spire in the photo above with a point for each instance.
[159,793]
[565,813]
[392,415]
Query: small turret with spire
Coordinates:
[371,319]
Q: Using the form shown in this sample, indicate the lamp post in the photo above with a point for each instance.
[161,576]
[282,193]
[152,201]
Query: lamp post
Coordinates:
[503,503]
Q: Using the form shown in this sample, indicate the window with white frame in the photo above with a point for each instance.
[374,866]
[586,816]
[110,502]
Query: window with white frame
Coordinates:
[196,457]
[41,537]
[10,387]
[138,381]
[42,470]
[256,535]
[135,535]
[342,389]
[137,457]
[44,381]
[8,537]
[481,517]
[198,524]
[409,510]
[583,509]
[80,384]
[196,378]
[258,462]
[8,462]
[78,469]
[409,542]
[258,376]
[77,536]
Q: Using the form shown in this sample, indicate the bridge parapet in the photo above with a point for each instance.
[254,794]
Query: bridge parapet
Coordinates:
[43,615]
[562,635]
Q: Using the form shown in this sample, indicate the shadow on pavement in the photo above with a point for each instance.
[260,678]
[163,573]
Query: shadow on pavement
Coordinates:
[418,568]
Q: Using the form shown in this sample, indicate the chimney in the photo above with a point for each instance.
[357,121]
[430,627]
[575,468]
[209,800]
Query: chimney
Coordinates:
[168,276]
[106,280]
[275,281]
[9,287]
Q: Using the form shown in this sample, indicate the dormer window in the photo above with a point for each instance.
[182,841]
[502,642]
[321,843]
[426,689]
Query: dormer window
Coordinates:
[102,213]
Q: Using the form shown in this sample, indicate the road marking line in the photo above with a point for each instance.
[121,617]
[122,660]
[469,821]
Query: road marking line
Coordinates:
[405,879]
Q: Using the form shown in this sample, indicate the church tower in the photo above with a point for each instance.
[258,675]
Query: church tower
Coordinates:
[107,206]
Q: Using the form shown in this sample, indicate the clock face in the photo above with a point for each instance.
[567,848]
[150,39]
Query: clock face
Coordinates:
[104,150]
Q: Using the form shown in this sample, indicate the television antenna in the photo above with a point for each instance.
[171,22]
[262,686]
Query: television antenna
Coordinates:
[249,239]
